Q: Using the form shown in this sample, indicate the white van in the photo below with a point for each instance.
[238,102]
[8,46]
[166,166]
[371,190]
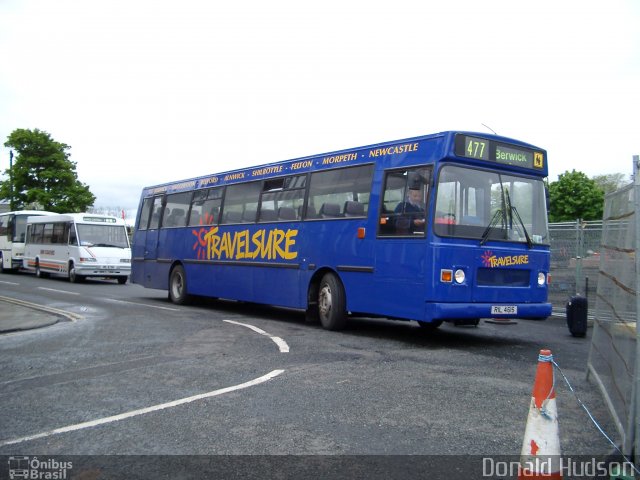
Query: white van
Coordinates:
[13,226]
[78,245]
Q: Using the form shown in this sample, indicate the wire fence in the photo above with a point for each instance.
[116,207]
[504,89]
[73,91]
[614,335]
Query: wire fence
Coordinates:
[575,263]
[598,260]
[612,357]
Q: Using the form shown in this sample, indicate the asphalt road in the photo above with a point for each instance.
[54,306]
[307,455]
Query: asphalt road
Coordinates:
[137,375]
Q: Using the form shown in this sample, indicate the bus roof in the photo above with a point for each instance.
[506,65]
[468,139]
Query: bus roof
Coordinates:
[332,159]
[77,218]
[28,212]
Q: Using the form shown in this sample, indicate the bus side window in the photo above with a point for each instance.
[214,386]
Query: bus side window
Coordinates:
[354,209]
[37,233]
[249,215]
[4,220]
[145,214]
[268,215]
[175,207]
[211,207]
[311,212]
[232,217]
[57,236]
[287,213]
[404,202]
[330,210]
[156,215]
[332,189]
[282,199]
[241,202]
[73,238]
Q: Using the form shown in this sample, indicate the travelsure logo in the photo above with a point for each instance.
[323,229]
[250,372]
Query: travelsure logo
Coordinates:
[263,244]
[492,261]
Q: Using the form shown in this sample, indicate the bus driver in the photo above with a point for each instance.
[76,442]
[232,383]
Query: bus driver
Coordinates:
[412,210]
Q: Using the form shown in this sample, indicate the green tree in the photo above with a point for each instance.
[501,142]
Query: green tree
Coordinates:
[573,196]
[610,182]
[42,174]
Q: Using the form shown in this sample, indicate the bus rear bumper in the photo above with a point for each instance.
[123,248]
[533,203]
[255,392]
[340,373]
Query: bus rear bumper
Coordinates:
[449,311]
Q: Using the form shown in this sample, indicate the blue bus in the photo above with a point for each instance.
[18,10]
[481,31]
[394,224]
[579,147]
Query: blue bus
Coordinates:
[444,227]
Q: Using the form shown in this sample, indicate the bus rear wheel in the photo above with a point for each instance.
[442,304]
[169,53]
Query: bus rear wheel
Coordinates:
[39,272]
[332,303]
[178,286]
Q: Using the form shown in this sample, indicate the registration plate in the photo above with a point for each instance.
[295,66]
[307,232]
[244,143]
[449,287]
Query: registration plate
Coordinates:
[504,309]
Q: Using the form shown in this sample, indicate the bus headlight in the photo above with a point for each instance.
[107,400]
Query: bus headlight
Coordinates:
[542,278]
[459,276]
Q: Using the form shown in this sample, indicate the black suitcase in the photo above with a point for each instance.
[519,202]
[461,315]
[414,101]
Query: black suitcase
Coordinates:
[577,309]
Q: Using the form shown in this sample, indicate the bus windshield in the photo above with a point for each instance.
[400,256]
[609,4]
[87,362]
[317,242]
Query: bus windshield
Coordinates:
[488,205]
[102,236]
[20,228]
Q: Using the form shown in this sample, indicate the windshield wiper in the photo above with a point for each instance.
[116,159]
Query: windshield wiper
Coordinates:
[524,229]
[499,215]
[512,209]
[494,220]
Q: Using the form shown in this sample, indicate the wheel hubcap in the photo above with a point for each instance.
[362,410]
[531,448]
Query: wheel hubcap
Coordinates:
[177,286]
[324,300]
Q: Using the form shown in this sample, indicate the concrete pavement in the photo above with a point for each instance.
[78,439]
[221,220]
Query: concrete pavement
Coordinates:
[17,315]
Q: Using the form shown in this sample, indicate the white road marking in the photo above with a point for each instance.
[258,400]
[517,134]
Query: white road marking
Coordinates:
[71,316]
[282,345]
[9,283]
[58,291]
[142,411]
[142,304]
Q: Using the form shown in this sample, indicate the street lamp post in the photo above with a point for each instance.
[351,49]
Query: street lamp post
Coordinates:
[11,180]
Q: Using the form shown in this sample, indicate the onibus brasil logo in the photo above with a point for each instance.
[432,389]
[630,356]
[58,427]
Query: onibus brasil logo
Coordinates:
[34,468]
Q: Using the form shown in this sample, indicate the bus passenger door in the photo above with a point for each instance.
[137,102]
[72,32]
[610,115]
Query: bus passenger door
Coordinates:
[151,245]
[402,263]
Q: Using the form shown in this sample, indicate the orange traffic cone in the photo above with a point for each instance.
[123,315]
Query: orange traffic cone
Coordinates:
[540,456]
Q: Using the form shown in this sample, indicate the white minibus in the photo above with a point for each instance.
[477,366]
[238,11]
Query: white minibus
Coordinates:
[78,245]
[13,226]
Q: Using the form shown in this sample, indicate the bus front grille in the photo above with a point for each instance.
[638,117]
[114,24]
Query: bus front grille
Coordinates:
[503,277]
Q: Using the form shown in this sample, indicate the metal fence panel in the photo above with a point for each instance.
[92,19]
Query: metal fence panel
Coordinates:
[612,355]
[575,260]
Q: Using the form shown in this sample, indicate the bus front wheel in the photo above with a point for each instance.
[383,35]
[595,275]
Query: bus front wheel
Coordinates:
[73,275]
[332,303]
[430,326]
[178,286]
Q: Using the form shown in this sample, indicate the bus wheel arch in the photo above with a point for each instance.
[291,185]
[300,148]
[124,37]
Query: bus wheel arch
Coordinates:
[327,300]
[39,272]
[313,290]
[178,284]
[72,274]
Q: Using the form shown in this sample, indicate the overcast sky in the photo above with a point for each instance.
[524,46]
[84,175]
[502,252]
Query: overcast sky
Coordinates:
[152,91]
